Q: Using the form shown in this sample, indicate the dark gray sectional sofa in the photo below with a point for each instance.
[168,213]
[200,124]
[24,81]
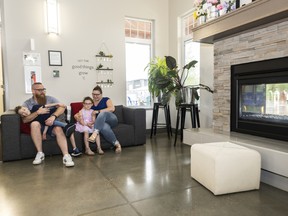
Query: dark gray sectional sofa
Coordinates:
[16,145]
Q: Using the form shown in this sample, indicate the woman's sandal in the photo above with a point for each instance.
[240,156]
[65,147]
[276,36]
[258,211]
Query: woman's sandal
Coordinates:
[92,138]
[118,148]
[89,152]
[100,151]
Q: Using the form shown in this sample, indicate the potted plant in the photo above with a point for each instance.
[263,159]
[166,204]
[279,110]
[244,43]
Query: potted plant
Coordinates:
[164,77]
[178,78]
[157,71]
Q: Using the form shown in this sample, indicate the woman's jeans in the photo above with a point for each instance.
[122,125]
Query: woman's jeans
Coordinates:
[104,123]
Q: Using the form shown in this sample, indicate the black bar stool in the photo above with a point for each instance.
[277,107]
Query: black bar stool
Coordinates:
[194,111]
[155,123]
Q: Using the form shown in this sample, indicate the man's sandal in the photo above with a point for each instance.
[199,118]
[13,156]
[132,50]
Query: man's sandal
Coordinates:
[93,137]
[118,148]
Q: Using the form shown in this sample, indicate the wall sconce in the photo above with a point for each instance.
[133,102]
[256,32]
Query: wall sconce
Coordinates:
[52,16]
[32,44]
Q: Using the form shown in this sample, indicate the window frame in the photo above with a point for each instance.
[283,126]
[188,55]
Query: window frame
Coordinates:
[141,41]
[186,37]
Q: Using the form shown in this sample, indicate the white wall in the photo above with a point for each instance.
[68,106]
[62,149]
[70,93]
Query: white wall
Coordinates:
[84,26]
[206,77]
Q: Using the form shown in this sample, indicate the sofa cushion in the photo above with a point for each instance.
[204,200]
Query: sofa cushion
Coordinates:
[25,127]
[124,134]
[119,113]
[75,108]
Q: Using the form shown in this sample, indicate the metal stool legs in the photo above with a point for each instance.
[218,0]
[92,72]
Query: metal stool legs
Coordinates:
[155,123]
[181,113]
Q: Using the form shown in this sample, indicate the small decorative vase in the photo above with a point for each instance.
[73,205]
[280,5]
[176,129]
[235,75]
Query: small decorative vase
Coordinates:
[188,95]
[201,20]
[213,12]
[222,12]
[158,99]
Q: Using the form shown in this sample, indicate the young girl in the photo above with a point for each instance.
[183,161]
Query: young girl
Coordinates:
[86,125]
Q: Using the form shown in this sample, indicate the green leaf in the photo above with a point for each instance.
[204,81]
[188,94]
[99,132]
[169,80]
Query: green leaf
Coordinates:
[172,73]
[171,62]
[190,64]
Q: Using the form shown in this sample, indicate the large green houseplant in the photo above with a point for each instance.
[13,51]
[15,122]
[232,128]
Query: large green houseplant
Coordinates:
[164,77]
[157,71]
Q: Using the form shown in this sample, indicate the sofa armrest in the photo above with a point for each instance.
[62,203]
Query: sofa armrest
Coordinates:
[137,118]
[10,135]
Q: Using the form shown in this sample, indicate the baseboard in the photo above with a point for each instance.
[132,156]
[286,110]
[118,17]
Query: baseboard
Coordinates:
[275,180]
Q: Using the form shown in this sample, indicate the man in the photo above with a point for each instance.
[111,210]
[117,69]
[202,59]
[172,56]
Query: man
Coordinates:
[39,98]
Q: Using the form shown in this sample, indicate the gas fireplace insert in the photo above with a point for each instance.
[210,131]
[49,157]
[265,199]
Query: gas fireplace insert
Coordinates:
[259,98]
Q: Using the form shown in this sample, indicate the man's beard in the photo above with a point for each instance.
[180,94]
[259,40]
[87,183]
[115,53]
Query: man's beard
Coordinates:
[41,99]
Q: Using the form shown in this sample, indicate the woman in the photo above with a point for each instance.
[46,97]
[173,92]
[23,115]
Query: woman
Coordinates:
[105,119]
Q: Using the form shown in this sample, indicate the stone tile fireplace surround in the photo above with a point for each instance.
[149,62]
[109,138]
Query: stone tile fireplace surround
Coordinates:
[264,42]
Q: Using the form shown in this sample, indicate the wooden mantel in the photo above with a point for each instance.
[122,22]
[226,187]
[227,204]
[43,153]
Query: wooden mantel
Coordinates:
[257,13]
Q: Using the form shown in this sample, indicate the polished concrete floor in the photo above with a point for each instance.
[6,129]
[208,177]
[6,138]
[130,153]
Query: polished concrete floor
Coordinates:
[153,179]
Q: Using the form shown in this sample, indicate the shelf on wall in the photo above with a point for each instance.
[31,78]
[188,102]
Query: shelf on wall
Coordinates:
[104,69]
[257,13]
[104,56]
[104,82]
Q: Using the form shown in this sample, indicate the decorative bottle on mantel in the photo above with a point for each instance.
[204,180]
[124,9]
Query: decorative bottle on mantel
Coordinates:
[201,20]
[213,12]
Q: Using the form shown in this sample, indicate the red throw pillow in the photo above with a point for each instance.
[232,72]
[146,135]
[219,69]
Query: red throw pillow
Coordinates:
[24,127]
[75,108]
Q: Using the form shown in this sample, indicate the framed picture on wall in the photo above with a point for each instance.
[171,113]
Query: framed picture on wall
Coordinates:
[55,58]
[32,75]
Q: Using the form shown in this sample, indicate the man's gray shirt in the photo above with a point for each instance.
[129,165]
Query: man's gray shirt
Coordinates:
[49,100]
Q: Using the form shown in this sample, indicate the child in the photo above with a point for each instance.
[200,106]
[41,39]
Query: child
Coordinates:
[86,125]
[68,128]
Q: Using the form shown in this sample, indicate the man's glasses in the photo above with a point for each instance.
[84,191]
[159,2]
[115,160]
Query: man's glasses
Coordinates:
[96,94]
[40,90]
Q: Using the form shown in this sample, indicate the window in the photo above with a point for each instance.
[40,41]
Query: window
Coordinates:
[138,47]
[188,25]
[191,50]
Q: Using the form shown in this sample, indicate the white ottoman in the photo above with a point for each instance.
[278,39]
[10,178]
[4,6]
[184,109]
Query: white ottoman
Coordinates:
[224,167]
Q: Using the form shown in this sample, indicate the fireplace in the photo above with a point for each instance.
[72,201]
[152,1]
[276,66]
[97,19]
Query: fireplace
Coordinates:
[259,98]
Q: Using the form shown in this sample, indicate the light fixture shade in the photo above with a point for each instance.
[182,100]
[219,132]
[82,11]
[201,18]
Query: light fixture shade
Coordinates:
[32,44]
[52,16]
